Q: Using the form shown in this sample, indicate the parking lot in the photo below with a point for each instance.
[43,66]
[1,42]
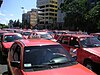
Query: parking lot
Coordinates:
[4,70]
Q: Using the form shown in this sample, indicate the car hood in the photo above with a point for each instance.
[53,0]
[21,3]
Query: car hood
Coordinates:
[7,44]
[53,40]
[72,70]
[95,51]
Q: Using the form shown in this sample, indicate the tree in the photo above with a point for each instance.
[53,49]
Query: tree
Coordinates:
[3,26]
[18,23]
[74,13]
[80,14]
[10,23]
[14,24]
[93,18]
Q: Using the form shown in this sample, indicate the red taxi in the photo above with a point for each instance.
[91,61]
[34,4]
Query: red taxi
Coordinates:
[40,57]
[6,40]
[85,47]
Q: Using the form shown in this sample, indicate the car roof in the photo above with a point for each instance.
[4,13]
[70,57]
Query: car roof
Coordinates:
[12,34]
[77,35]
[36,42]
[41,32]
[1,31]
[95,33]
[27,31]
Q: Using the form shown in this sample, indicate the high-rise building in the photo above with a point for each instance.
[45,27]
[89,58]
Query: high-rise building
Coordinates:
[47,12]
[29,19]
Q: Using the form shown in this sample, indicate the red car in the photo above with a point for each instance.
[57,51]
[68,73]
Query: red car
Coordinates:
[6,40]
[40,57]
[85,47]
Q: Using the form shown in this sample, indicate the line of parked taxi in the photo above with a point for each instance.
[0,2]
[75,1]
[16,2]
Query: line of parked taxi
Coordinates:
[39,52]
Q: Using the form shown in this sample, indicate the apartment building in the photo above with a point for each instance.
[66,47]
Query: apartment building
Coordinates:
[29,19]
[47,12]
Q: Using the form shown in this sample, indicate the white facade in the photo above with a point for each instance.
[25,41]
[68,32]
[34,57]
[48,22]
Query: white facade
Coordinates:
[47,11]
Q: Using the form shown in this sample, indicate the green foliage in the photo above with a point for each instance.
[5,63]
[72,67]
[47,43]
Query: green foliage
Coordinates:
[17,24]
[3,26]
[98,25]
[79,15]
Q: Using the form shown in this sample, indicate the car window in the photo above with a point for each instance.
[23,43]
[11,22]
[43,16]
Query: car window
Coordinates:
[12,50]
[46,36]
[73,41]
[15,52]
[90,42]
[60,39]
[65,40]
[26,33]
[40,55]
[11,38]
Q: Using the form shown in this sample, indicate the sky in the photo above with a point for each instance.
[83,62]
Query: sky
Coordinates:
[12,9]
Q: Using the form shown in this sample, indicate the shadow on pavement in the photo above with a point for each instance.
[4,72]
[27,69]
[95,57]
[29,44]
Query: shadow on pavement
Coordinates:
[3,59]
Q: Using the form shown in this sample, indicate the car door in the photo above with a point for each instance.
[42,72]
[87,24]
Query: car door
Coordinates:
[64,41]
[73,46]
[15,56]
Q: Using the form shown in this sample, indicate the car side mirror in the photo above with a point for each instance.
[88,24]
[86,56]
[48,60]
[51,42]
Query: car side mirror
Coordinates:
[15,64]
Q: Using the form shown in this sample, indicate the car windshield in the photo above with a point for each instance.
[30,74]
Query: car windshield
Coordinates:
[46,36]
[26,33]
[12,38]
[90,42]
[51,33]
[98,37]
[41,55]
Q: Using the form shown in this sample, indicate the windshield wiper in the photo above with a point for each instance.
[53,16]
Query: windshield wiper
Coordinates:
[59,63]
[36,66]
[44,65]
